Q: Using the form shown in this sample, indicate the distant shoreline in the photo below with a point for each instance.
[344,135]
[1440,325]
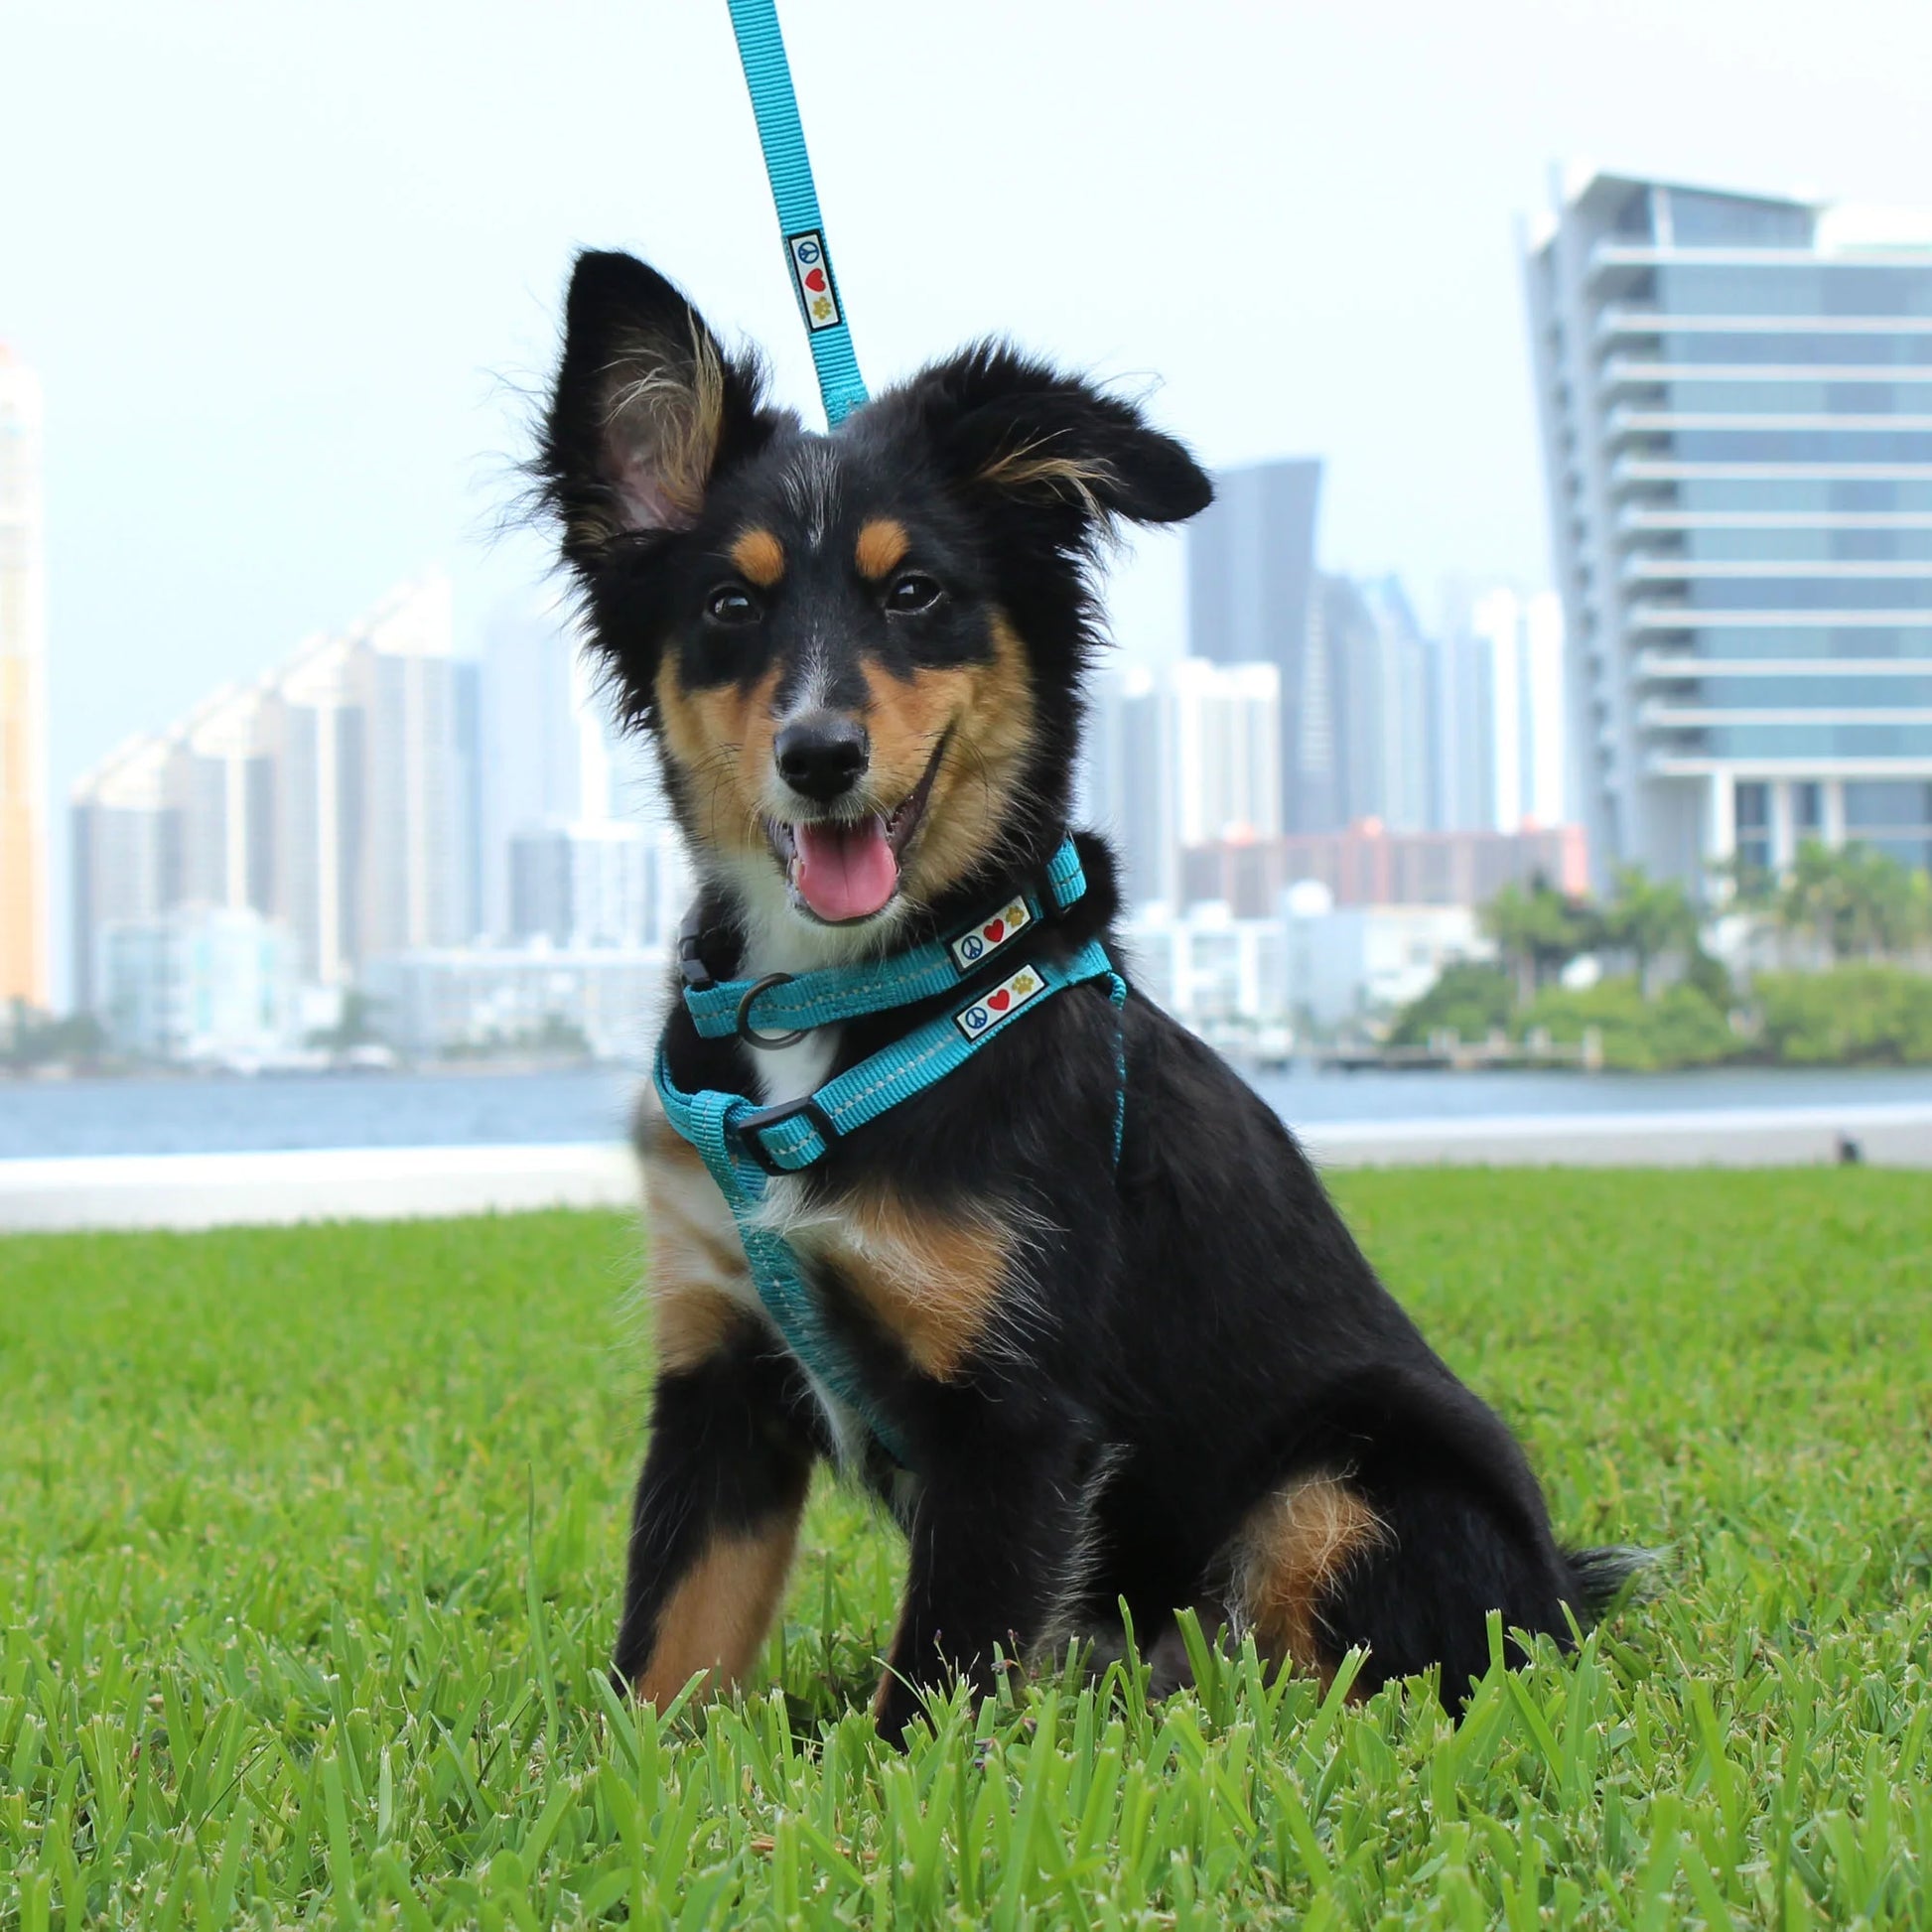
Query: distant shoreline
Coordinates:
[491,1106]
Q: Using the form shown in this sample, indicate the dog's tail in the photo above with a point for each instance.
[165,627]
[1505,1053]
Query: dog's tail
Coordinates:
[1602,1579]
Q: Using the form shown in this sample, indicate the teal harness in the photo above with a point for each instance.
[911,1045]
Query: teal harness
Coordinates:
[746,1145]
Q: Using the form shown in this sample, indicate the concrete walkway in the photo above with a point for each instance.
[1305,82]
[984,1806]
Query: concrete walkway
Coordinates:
[199,1190]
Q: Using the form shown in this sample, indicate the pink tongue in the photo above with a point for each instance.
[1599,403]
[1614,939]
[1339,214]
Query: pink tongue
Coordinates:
[845,872]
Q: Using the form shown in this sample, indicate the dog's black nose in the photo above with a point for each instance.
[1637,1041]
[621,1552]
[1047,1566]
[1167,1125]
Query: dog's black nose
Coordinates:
[821,756]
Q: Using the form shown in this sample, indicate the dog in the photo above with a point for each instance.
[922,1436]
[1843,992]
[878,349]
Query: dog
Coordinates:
[1130,1348]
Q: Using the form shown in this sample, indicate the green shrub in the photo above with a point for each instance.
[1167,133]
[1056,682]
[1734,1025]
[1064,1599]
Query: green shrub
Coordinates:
[1682,1027]
[1854,1015]
[1470,999]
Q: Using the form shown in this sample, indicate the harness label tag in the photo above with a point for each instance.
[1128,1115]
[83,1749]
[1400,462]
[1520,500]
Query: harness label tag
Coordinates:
[812,268]
[1001,1002]
[986,939]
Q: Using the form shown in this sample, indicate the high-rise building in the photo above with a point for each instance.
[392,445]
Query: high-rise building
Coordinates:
[1378,678]
[320,807]
[534,738]
[126,851]
[1463,704]
[416,857]
[1526,732]
[23,690]
[1251,588]
[1181,755]
[577,845]
[221,785]
[1735,393]
[588,884]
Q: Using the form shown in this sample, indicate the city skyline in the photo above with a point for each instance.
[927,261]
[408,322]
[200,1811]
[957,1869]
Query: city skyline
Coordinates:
[361,371]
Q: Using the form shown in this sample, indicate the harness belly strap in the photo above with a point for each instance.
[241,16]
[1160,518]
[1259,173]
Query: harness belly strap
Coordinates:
[744,1146]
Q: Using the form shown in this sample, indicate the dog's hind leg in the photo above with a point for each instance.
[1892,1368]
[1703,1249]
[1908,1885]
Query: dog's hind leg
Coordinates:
[1435,1556]
[1287,1563]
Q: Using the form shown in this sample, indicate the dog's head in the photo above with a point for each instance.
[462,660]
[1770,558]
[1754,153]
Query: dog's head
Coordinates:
[860,654]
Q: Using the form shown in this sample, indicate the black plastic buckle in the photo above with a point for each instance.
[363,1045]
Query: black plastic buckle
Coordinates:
[748,1131]
[690,960]
[769,1042]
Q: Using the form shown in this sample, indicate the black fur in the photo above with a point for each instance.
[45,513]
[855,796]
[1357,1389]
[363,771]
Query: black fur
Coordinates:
[1178,1339]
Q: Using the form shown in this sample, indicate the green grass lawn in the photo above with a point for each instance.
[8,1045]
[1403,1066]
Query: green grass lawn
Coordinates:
[310,1553]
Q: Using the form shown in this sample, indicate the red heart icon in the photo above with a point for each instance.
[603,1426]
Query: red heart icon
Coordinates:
[996,933]
[815,280]
[1001,1001]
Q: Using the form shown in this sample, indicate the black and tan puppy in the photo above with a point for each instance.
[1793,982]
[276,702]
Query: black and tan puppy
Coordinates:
[1173,1380]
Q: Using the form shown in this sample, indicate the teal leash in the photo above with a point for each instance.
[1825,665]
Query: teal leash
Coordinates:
[746,1146]
[808,260]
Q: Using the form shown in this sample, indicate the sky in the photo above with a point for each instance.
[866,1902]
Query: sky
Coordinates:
[291,276]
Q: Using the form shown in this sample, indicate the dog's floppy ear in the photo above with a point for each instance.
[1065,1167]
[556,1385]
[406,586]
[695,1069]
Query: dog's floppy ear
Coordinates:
[1018,428]
[647,408]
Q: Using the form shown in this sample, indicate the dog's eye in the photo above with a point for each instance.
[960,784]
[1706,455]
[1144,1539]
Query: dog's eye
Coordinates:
[912,592]
[730,605]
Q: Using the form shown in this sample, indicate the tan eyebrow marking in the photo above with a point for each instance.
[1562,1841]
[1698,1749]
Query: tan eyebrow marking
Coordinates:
[883,544]
[760,555]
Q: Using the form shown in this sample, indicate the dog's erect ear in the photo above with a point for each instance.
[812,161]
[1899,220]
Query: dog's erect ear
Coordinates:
[647,408]
[1019,428]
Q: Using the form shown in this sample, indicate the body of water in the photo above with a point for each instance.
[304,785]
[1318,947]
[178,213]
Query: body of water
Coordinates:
[483,1108]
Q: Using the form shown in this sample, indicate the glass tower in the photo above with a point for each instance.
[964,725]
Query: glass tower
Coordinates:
[1736,395]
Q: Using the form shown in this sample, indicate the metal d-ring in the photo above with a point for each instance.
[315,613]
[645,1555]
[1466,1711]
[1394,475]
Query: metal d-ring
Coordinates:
[768,1043]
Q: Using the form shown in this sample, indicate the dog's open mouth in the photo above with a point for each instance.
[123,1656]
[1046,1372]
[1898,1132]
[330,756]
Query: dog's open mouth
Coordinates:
[842,870]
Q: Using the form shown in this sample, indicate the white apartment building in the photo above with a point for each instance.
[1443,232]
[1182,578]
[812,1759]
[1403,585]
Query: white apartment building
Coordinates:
[1735,393]
[197,983]
[24,951]
[1209,969]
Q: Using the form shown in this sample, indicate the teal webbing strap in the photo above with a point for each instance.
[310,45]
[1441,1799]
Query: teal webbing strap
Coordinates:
[808,261]
[796,1138]
[923,1058]
[706,1120]
[835,994]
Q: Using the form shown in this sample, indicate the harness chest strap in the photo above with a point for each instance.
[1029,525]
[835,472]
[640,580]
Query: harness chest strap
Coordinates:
[744,1144]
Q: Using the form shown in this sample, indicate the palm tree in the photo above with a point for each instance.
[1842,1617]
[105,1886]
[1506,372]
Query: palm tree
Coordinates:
[1857,901]
[1811,897]
[1650,920]
[1538,932]
[1886,903]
